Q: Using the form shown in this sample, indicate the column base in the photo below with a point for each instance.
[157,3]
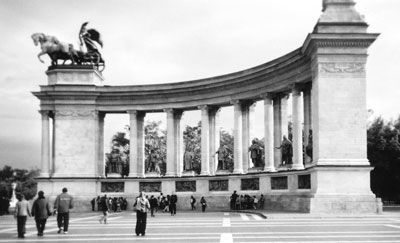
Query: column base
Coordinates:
[205,173]
[269,169]
[297,167]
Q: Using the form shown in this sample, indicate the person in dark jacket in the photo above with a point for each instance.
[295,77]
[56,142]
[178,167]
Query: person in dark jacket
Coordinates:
[105,206]
[62,205]
[203,204]
[41,211]
[172,204]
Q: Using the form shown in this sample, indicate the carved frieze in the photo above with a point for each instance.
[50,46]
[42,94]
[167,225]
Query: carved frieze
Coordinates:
[150,186]
[76,114]
[341,67]
[279,183]
[185,186]
[218,185]
[112,187]
[252,184]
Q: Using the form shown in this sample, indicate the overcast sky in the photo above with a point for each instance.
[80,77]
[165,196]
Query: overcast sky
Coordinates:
[158,41]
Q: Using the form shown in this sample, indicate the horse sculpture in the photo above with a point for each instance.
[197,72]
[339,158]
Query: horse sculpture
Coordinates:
[54,48]
[57,50]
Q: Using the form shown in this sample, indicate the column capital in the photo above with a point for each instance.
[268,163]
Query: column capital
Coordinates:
[169,110]
[236,102]
[268,95]
[136,112]
[297,87]
[203,107]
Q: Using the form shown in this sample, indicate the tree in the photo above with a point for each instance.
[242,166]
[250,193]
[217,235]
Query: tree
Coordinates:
[25,180]
[384,154]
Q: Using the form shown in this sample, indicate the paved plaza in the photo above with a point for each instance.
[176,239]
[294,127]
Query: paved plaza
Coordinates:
[215,227]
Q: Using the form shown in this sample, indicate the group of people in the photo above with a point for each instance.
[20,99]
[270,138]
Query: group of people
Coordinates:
[243,202]
[41,211]
[116,204]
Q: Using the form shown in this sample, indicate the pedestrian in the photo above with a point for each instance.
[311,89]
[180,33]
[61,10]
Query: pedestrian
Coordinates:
[105,206]
[153,204]
[41,211]
[203,204]
[142,207]
[62,205]
[193,202]
[93,202]
[234,197]
[21,213]
[261,202]
[172,206]
[255,202]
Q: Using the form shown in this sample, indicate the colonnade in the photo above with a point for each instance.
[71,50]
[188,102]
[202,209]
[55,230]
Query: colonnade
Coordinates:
[275,127]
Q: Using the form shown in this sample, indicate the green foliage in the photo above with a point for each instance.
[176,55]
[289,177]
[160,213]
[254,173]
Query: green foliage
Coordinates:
[384,155]
[25,180]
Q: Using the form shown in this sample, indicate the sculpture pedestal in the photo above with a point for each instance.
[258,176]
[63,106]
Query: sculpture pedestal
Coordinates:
[255,170]
[114,175]
[188,173]
[222,172]
[74,75]
[152,174]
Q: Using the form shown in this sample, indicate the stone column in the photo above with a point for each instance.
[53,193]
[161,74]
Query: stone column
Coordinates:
[269,132]
[214,139]
[238,139]
[136,147]
[297,113]
[171,143]
[307,113]
[179,142]
[246,135]
[280,125]
[100,149]
[205,140]
[45,144]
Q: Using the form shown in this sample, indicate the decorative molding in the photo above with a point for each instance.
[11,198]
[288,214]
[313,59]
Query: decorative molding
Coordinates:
[341,67]
[76,113]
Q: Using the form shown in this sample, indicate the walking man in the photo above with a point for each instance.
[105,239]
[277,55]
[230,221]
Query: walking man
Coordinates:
[62,205]
[41,211]
[142,207]
[106,209]
[193,202]
[21,214]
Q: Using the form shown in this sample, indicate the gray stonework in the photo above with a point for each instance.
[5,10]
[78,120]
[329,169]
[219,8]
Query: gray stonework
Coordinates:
[328,69]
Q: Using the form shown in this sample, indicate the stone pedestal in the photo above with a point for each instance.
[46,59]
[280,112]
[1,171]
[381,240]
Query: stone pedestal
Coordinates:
[74,75]
[222,172]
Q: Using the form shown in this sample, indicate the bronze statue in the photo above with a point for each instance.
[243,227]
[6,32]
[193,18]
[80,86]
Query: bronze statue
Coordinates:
[88,55]
[287,151]
[54,48]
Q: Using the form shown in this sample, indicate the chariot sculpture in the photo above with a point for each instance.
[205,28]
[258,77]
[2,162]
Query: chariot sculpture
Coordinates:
[89,53]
